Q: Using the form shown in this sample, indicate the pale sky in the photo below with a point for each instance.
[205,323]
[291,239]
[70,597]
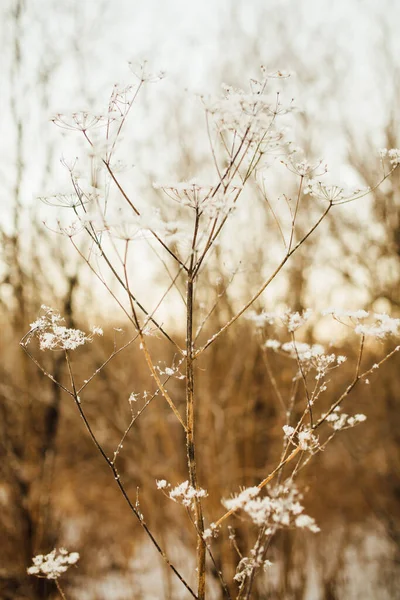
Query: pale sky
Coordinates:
[343,53]
[199,45]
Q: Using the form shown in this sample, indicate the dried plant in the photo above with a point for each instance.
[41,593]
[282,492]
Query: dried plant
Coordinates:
[247,134]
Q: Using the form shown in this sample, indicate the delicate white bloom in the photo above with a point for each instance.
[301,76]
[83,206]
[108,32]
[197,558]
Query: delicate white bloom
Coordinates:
[210,532]
[272,344]
[383,326]
[186,494]
[207,199]
[379,325]
[299,165]
[52,335]
[79,121]
[240,500]
[295,320]
[359,418]
[172,371]
[311,357]
[261,319]
[245,568]
[331,193]
[276,510]
[288,430]
[305,438]
[96,330]
[306,522]
[54,564]
[70,200]
[304,352]
[249,115]
[351,314]
[161,484]
[394,156]
[340,420]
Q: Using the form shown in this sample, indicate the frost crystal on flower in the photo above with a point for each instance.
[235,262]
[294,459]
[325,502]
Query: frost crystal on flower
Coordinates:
[339,421]
[306,522]
[161,484]
[378,325]
[54,564]
[183,493]
[305,439]
[331,193]
[52,335]
[272,344]
[295,320]
[210,200]
[97,330]
[211,532]
[278,509]
[393,154]
[383,326]
[248,114]
[260,319]
[356,315]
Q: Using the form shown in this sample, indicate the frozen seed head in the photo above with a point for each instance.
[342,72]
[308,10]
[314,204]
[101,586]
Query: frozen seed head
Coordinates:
[54,564]
[53,335]
[280,508]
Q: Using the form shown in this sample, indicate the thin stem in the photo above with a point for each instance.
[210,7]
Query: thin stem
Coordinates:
[190,421]
[303,376]
[60,591]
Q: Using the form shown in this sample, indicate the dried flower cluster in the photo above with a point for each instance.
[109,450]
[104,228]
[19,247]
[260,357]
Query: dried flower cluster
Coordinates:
[53,335]
[279,508]
[54,564]
[183,493]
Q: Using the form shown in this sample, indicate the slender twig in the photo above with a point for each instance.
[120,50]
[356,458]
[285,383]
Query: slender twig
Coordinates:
[60,590]
[304,378]
[190,419]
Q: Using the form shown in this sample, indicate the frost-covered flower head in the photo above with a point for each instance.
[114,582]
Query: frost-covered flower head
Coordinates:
[339,420]
[378,325]
[54,564]
[297,163]
[183,493]
[250,115]
[280,508]
[393,155]
[53,335]
[203,197]
[310,356]
[295,320]
[79,121]
[261,319]
[304,438]
[331,193]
